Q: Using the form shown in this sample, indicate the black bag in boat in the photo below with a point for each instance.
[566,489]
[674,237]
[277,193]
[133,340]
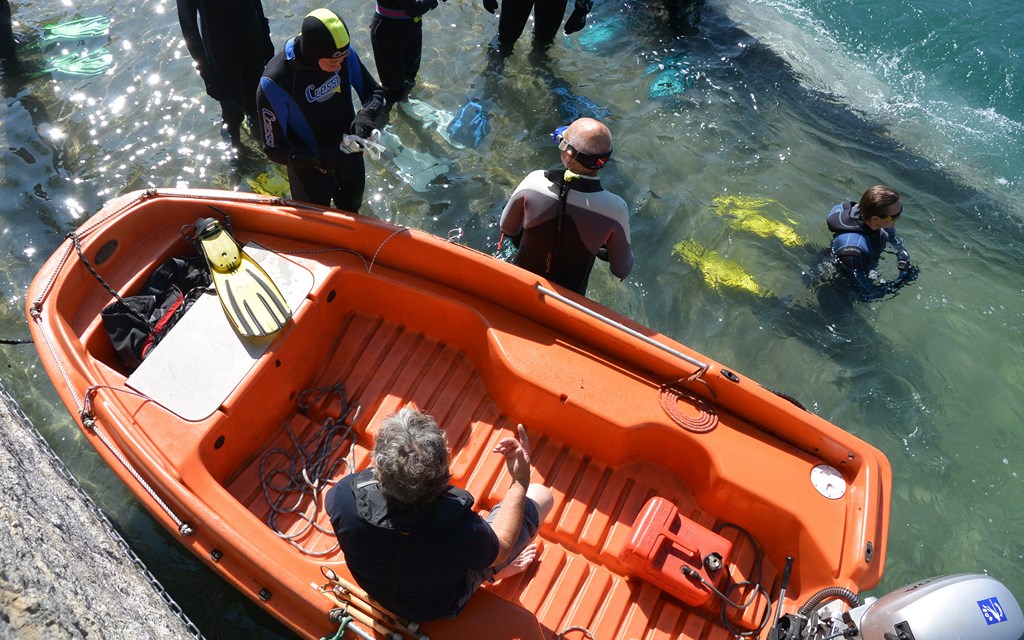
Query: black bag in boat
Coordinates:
[137,323]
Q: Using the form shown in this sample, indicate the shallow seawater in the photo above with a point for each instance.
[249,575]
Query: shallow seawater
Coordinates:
[737,126]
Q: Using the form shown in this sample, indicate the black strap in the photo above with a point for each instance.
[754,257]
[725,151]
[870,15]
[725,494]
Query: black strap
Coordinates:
[396,578]
[565,186]
[563,196]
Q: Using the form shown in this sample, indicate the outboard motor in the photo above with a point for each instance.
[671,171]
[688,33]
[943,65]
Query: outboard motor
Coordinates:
[957,607]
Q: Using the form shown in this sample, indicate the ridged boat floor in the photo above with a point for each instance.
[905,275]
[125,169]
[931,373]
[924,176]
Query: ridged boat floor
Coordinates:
[577,579]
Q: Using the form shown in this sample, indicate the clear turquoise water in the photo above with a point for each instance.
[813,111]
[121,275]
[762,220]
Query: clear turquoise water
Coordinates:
[776,108]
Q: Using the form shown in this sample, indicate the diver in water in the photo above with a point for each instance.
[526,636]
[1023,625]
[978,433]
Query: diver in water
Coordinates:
[305,103]
[547,16]
[230,43]
[562,220]
[396,32]
[861,231]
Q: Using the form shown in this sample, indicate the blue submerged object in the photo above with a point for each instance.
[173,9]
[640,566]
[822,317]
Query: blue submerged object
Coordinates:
[597,35]
[573,106]
[470,125]
[673,77]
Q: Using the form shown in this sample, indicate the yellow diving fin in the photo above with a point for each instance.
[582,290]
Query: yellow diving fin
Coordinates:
[251,300]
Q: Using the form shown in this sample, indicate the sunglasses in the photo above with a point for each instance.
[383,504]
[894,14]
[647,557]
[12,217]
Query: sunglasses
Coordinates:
[888,218]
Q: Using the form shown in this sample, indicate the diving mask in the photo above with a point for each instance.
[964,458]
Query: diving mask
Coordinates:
[592,161]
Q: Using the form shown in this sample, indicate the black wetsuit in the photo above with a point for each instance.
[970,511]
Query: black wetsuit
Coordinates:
[6,32]
[547,17]
[230,42]
[304,114]
[559,237]
[396,32]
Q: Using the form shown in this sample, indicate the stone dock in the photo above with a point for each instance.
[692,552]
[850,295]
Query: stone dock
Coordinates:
[64,570]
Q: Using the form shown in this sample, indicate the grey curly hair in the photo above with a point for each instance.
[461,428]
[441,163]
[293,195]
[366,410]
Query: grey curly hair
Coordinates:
[410,459]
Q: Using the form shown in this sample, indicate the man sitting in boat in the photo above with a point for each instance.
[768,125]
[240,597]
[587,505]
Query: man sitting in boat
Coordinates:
[412,540]
[861,232]
[561,220]
[305,109]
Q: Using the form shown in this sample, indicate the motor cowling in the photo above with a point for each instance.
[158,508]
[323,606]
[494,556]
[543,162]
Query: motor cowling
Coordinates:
[957,607]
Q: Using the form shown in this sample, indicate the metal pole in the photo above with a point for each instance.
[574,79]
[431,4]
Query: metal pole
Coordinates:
[356,629]
[621,327]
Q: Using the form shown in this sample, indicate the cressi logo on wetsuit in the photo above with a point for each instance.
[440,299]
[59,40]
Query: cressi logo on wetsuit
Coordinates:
[324,91]
[269,118]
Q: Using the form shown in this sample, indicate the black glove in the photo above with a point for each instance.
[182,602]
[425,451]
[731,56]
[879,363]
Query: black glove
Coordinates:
[578,18]
[362,124]
[491,5]
[908,273]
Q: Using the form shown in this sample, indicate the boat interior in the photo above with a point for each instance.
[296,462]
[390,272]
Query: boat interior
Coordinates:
[636,493]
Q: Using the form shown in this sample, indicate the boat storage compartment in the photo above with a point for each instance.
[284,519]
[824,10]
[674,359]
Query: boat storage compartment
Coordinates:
[670,550]
[201,360]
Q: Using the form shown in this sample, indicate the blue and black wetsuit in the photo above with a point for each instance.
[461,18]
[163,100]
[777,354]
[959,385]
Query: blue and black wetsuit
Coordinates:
[304,114]
[230,42]
[396,32]
[857,249]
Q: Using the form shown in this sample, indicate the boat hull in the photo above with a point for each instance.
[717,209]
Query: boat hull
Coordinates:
[617,414]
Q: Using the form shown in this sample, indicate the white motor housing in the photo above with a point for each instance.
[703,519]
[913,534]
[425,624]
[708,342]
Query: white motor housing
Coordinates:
[958,607]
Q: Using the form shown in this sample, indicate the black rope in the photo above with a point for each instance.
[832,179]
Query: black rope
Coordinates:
[15,341]
[110,290]
[309,467]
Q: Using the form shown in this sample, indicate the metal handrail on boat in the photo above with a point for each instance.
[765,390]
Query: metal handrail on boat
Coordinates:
[702,366]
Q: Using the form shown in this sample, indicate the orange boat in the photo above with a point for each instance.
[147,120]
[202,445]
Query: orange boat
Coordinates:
[690,501]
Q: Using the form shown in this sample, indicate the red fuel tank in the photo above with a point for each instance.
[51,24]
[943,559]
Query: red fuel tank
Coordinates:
[665,546]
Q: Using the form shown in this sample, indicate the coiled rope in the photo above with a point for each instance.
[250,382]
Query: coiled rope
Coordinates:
[669,397]
[300,475]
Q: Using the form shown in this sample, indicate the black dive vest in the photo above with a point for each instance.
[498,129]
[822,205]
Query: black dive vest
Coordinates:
[373,508]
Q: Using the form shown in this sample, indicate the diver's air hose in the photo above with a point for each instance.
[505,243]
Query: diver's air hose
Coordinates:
[829,592]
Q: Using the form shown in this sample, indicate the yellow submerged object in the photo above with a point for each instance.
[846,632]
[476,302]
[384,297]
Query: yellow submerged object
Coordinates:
[746,213]
[271,183]
[718,272]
